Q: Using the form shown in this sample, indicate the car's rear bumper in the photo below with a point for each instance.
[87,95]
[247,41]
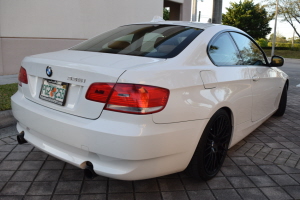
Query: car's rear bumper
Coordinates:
[121,146]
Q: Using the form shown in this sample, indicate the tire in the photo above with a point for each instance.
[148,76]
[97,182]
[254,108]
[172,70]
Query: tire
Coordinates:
[212,147]
[282,104]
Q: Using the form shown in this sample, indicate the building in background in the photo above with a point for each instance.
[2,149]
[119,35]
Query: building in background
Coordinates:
[181,10]
[37,26]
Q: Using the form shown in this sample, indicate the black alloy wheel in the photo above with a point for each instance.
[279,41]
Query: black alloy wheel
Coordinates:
[217,144]
[212,147]
[282,104]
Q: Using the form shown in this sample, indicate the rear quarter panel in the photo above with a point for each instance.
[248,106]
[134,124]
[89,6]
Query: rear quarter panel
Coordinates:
[189,99]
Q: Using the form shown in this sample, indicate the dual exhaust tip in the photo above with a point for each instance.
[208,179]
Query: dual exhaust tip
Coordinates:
[88,171]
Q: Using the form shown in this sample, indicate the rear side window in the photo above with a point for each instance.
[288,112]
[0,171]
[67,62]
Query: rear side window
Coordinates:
[159,41]
[250,52]
[223,51]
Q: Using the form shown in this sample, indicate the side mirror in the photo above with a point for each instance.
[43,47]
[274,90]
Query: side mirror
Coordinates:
[277,61]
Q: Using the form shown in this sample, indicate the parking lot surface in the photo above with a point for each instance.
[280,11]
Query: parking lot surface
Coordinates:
[265,165]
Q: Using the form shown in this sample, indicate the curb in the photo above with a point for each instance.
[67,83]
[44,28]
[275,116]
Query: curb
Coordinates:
[7,118]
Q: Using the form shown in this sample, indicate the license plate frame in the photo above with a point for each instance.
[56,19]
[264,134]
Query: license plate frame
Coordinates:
[54,91]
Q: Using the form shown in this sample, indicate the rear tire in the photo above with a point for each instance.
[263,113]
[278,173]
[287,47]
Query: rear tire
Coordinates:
[282,104]
[212,147]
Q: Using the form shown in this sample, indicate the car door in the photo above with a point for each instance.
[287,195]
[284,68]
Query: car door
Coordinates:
[232,76]
[265,81]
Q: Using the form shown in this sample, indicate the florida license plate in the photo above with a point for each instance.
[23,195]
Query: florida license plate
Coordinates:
[54,91]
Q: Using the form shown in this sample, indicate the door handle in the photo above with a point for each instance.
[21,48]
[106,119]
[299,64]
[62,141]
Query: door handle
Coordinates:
[255,78]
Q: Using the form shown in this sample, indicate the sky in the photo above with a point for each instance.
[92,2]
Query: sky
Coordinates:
[205,7]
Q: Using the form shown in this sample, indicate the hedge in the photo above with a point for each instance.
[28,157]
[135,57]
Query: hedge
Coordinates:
[284,48]
[286,45]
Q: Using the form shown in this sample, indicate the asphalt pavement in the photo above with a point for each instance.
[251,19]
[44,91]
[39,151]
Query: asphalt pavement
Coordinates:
[265,165]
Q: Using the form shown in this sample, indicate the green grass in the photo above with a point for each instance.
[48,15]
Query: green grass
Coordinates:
[284,53]
[6,91]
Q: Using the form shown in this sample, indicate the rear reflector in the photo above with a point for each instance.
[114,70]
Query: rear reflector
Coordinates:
[22,76]
[129,98]
[99,92]
[137,99]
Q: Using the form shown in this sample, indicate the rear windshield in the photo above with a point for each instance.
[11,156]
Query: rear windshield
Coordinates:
[158,41]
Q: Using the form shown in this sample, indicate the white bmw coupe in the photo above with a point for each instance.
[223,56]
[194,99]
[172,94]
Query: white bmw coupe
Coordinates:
[149,99]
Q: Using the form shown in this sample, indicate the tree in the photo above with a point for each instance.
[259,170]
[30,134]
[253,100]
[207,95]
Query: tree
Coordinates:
[289,10]
[251,18]
[279,38]
[262,42]
[296,40]
[166,15]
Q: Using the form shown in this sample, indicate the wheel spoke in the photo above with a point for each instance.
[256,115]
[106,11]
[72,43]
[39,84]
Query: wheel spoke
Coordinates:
[225,132]
[224,127]
[209,154]
[211,165]
[217,143]
[222,122]
[209,161]
[214,162]
[208,148]
[225,140]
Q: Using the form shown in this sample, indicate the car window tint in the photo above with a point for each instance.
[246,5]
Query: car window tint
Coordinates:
[149,41]
[223,51]
[250,52]
[125,40]
[159,41]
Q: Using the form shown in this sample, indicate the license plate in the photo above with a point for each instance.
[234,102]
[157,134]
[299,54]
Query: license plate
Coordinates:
[54,91]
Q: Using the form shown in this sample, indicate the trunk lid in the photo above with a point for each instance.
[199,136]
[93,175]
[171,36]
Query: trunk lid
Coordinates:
[78,70]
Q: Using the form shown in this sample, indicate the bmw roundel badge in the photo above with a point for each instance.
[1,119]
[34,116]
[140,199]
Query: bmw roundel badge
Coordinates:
[49,71]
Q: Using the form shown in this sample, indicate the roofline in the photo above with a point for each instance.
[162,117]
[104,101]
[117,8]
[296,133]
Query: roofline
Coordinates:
[181,23]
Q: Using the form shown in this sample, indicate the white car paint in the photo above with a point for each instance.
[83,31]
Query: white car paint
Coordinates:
[128,146]
[264,85]
[85,65]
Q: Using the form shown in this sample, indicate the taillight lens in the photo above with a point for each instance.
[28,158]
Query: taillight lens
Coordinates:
[22,76]
[129,98]
[137,99]
[99,92]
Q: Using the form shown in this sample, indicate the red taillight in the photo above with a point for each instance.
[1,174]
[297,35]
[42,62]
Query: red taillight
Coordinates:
[129,98]
[99,92]
[22,76]
[138,99]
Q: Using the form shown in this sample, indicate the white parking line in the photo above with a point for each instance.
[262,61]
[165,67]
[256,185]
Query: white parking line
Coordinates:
[298,85]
